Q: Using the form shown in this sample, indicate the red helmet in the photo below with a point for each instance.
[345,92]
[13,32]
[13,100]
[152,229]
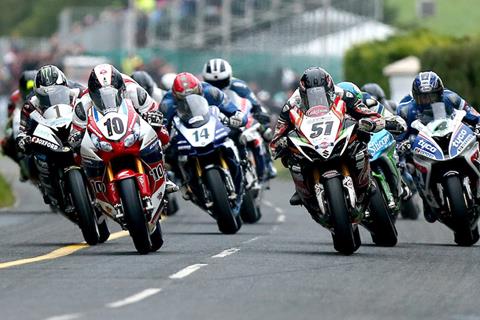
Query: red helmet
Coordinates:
[186,84]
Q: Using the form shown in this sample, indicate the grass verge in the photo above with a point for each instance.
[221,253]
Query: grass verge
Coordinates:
[7,199]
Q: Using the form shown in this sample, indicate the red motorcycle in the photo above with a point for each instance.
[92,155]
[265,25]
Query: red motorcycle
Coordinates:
[122,157]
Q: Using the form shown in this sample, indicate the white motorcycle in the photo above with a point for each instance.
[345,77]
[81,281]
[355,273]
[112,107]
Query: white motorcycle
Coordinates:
[61,180]
[445,154]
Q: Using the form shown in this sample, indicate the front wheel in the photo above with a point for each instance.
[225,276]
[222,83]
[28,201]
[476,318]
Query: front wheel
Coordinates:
[382,228]
[134,215]
[156,238]
[226,220]
[343,235]
[464,235]
[250,210]
[83,206]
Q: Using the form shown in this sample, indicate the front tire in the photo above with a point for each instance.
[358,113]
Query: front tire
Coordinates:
[464,235]
[250,211]
[410,209]
[343,236]
[134,215]
[382,228]
[226,220]
[156,238]
[83,206]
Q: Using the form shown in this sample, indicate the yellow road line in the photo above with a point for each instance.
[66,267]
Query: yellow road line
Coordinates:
[58,253]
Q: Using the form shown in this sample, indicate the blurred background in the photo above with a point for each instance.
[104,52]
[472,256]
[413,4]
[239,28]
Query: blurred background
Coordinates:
[268,42]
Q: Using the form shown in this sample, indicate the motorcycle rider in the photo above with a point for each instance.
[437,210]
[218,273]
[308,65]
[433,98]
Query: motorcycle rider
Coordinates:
[16,102]
[218,72]
[46,79]
[106,76]
[313,79]
[147,83]
[427,91]
[374,91]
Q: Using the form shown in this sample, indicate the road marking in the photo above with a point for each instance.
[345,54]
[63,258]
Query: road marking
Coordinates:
[267,203]
[251,240]
[281,218]
[226,253]
[134,298]
[279,210]
[187,271]
[69,316]
[58,253]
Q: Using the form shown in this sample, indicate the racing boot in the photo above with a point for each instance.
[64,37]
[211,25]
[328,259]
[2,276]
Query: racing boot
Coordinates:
[170,186]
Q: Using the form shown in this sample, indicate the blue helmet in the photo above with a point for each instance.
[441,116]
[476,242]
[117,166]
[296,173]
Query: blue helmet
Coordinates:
[427,88]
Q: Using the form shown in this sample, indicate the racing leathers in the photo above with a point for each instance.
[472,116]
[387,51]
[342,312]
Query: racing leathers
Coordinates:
[360,164]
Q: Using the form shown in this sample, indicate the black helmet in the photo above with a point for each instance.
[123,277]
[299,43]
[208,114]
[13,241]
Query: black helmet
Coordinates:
[145,81]
[26,83]
[427,88]
[316,88]
[49,75]
[375,90]
[106,87]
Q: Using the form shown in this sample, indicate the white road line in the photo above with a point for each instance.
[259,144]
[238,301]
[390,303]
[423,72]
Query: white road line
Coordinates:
[69,316]
[187,271]
[279,210]
[267,203]
[135,298]
[251,240]
[281,218]
[226,253]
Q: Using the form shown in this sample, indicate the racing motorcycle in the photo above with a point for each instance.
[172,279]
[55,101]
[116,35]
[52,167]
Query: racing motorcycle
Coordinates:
[445,154]
[323,143]
[123,160]
[208,162]
[60,179]
[386,199]
[252,163]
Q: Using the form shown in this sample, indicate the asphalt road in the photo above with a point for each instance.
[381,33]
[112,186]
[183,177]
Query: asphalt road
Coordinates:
[284,267]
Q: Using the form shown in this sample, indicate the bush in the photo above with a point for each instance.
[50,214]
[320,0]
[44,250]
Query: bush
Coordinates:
[365,62]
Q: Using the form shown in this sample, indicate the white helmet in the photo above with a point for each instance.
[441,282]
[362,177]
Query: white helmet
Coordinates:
[167,80]
[217,72]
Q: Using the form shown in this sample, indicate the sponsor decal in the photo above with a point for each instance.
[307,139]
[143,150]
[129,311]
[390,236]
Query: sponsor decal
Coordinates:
[317,111]
[45,143]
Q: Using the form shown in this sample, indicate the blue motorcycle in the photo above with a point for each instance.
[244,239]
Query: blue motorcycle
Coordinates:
[208,162]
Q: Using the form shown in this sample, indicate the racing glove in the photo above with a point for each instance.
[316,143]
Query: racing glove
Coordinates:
[154,118]
[22,141]
[366,124]
[236,121]
[404,146]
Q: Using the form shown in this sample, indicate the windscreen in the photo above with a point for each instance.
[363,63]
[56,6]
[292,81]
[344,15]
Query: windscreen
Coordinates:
[317,97]
[53,95]
[106,99]
[435,111]
[194,110]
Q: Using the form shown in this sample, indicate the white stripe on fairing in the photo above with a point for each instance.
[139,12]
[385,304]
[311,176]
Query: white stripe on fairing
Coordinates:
[187,271]
[134,298]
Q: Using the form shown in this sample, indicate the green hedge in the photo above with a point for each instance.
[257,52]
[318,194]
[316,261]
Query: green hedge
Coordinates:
[365,62]
[459,67]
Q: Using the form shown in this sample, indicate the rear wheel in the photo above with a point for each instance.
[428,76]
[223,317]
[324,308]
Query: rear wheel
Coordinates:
[410,209]
[250,210]
[464,235]
[343,236]
[83,206]
[172,206]
[134,215]
[226,220]
[382,228]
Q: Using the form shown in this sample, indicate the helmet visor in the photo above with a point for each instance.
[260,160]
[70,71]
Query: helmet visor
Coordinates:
[53,95]
[428,98]
[106,99]
[316,97]
[194,110]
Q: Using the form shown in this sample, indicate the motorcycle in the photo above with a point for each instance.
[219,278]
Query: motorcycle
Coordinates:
[445,155]
[253,164]
[386,199]
[60,179]
[123,159]
[208,162]
[323,143]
